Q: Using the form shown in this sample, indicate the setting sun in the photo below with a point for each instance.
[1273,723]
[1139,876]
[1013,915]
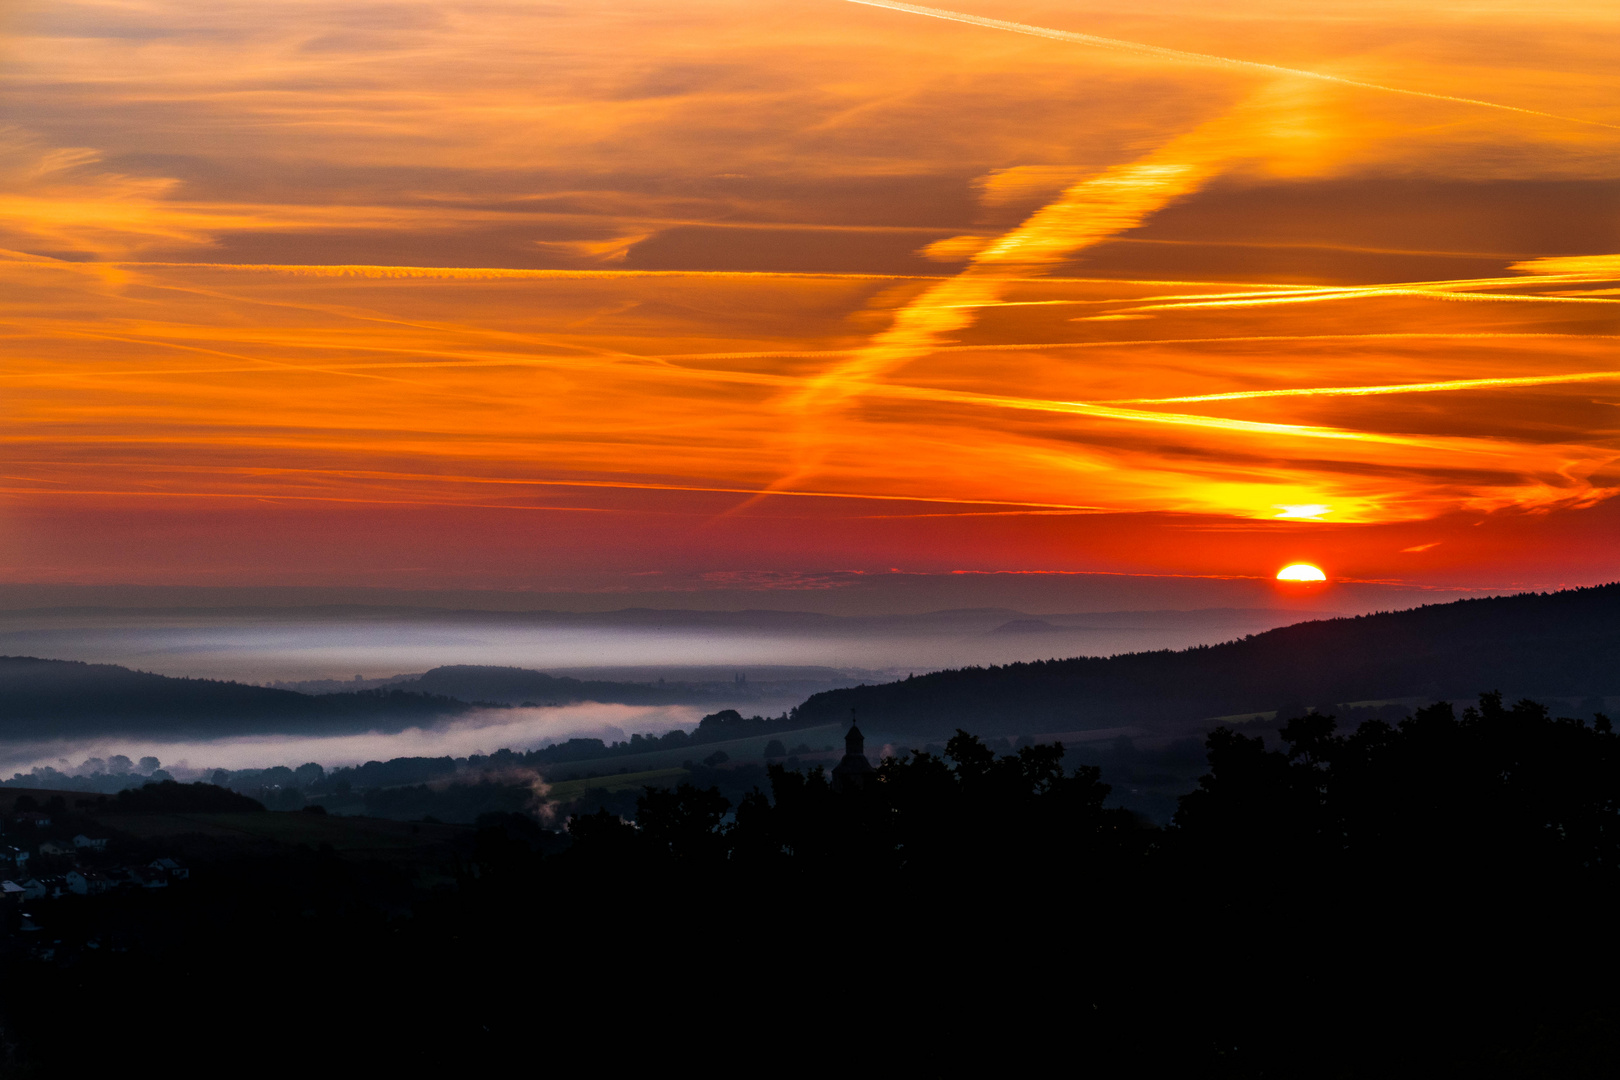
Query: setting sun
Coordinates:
[1301,572]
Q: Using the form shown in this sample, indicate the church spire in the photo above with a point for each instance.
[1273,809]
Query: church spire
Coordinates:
[854,771]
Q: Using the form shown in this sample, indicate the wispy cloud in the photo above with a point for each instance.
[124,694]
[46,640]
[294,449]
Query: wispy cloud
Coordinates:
[1159,52]
[284,286]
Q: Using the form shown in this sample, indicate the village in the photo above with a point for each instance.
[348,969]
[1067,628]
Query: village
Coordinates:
[45,855]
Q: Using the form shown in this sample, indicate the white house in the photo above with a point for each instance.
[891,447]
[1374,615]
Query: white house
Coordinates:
[90,843]
[87,882]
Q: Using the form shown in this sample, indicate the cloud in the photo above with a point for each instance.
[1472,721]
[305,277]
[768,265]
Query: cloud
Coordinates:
[1158,52]
[248,286]
[954,248]
[1583,267]
[613,249]
[1019,183]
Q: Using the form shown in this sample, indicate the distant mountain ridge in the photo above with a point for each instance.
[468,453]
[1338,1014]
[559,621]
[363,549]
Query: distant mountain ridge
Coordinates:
[1549,644]
[47,698]
[56,698]
[518,686]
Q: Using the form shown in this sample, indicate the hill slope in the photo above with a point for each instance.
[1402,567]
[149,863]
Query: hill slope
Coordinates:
[515,686]
[55,698]
[1553,644]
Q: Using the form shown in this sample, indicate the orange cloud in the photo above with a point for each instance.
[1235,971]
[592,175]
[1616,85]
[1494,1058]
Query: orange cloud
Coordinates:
[677,272]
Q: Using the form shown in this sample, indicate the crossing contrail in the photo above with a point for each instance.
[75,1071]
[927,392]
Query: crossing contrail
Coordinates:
[1390,388]
[1203,58]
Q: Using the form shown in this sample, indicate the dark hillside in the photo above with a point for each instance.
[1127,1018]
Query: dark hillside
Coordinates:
[1547,644]
[513,686]
[54,698]
[520,686]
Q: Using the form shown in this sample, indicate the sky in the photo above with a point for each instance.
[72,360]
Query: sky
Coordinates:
[721,295]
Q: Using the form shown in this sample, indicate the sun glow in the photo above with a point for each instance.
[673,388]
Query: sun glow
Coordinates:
[1301,572]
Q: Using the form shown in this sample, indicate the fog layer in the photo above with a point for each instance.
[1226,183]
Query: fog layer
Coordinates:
[481,732]
[260,646]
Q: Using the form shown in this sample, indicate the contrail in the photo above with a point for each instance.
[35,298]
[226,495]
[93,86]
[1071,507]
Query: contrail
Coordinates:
[1361,293]
[1391,388]
[1202,58]
[512,481]
[1145,416]
[476,273]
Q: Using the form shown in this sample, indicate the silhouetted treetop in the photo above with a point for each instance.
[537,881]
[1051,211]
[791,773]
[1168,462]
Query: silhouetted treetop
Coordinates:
[922,815]
[172,797]
[1497,787]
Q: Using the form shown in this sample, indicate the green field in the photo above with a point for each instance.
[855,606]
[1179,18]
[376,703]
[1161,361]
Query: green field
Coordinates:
[568,790]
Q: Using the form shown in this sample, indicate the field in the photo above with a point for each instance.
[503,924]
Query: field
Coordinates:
[568,790]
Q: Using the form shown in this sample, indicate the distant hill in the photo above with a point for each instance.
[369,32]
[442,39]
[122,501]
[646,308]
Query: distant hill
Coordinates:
[518,686]
[1549,644]
[62,698]
[514,686]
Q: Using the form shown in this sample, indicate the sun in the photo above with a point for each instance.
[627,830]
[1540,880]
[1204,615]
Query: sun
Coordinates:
[1301,572]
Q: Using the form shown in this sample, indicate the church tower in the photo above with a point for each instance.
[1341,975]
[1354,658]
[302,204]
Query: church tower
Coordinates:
[854,771]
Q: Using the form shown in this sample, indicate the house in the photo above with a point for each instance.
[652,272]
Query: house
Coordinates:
[55,887]
[87,882]
[10,890]
[55,847]
[32,889]
[170,867]
[15,856]
[146,878]
[34,818]
[88,843]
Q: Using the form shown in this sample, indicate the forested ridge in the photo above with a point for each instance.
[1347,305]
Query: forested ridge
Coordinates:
[40,698]
[58,698]
[1536,644]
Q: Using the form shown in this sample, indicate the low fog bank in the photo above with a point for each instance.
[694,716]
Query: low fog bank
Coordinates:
[290,646]
[123,761]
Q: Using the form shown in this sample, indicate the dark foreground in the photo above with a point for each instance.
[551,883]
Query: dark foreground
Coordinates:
[1431,899]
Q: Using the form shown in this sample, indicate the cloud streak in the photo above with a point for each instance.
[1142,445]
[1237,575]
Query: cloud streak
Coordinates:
[1179,55]
[527,294]
[1447,386]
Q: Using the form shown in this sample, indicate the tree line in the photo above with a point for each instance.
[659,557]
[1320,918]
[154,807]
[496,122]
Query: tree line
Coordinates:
[1429,896]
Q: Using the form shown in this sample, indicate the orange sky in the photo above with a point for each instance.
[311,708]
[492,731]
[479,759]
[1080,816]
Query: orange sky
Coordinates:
[518,295]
